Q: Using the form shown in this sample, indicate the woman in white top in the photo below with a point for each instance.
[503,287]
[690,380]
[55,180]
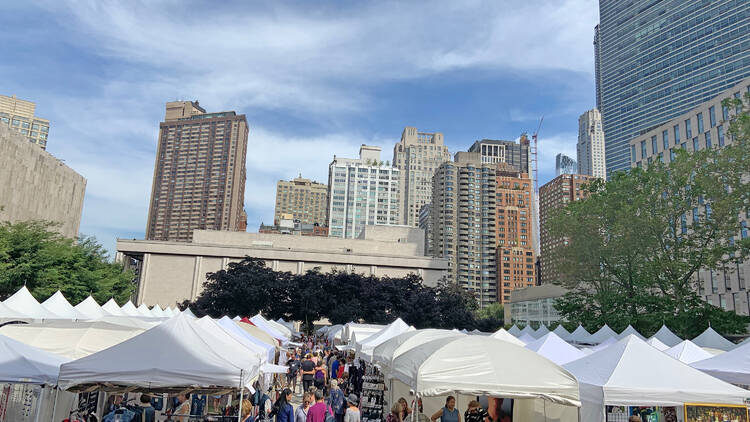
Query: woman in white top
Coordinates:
[182,412]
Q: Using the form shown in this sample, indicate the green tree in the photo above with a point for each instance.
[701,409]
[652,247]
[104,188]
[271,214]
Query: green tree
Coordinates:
[635,246]
[33,254]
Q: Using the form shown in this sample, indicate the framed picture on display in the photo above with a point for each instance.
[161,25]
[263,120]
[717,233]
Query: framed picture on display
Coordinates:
[700,412]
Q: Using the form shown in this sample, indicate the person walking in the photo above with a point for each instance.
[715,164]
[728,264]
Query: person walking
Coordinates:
[337,401]
[308,372]
[352,412]
[448,413]
[283,408]
[319,411]
[291,375]
[300,415]
[320,375]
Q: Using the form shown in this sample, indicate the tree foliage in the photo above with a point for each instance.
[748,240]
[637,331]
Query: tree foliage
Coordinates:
[33,254]
[249,287]
[634,248]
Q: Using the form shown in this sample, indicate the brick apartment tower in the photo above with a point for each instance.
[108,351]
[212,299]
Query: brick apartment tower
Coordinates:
[555,194]
[199,174]
[514,231]
[305,199]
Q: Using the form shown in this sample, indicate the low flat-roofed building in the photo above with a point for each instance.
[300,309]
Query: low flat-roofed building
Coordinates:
[534,305]
[170,272]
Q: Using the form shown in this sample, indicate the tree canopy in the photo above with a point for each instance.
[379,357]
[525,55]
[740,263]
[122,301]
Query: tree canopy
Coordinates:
[33,254]
[636,246]
[249,287]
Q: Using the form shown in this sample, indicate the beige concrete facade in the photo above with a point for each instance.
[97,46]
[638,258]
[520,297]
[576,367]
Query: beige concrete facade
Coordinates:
[19,115]
[34,185]
[304,199]
[170,272]
[591,147]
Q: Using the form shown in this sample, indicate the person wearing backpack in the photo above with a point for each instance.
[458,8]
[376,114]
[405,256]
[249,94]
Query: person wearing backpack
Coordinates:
[337,401]
[320,376]
[320,411]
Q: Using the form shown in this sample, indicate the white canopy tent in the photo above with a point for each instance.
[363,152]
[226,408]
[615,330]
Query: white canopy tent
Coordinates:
[713,340]
[247,339]
[177,354]
[132,322]
[632,373]
[112,308]
[8,314]
[144,311]
[58,305]
[21,363]
[666,336]
[158,312]
[503,335]
[579,335]
[128,309]
[657,344]
[688,352]
[562,332]
[90,309]
[366,348]
[187,312]
[527,330]
[628,331]
[386,352]
[23,302]
[334,333]
[283,329]
[541,332]
[360,331]
[514,330]
[603,345]
[526,338]
[555,349]
[600,336]
[258,334]
[264,325]
[732,366]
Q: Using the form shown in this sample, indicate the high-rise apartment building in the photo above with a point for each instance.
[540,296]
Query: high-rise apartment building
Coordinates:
[425,223]
[657,60]
[590,147]
[199,174]
[556,194]
[304,199]
[514,231]
[19,115]
[463,223]
[417,156]
[361,192]
[509,152]
[565,165]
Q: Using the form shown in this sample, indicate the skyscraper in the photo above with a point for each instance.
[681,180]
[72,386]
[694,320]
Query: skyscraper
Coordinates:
[590,148]
[657,60]
[509,152]
[361,192]
[305,200]
[199,174]
[417,156]
[19,115]
[565,165]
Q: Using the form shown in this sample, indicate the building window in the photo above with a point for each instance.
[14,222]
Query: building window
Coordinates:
[725,113]
[699,116]
[632,153]
[708,139]
[665,139]
[643,149]
[653,144]
[676,134]
[696,145]
[688,129]
[671,154]
[683,224]
[712,116]
[720,131]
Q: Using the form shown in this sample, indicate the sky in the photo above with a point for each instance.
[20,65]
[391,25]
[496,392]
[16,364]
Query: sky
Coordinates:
[313,78]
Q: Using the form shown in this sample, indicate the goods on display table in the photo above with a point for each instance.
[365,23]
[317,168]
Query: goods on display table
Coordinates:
[373,389]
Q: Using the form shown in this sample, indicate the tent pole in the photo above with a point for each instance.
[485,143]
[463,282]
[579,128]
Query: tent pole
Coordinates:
[54,403]
[41,400]
[239,404]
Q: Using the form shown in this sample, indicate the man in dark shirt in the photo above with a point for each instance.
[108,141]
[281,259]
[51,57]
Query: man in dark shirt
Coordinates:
[308,373]
[291,376]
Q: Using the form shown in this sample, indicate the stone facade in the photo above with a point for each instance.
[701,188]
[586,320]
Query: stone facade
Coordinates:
[34,185]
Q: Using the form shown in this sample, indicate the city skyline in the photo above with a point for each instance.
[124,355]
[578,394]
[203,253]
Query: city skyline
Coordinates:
[298,117]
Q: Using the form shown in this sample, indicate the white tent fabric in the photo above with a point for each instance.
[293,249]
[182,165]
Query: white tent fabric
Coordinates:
[555,349]
[632,373]
[657,344]
[188,312]
[70,339]
[527,330]
[8,314]
[562,332]
[263,324]
[58,305]
[666,336]
[22,301]
[711,339]
[21,363]
[541,332]
[732,366]
[258,334]
[515,330]
[501,334]
[111,307]
[132,322]
[386,352]
[90,308]
[158,312]
[230,326]
[366,348]
[335,333]
[628,331]
[604,333]
[284,330]
[579,335]
[128,309]
[236,338]
[178,353]
[362,331]
[688,352]
[507,370]
[526,338]
[144,311]
[603,345]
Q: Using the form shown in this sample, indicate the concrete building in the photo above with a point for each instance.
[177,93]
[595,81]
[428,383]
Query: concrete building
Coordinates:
[425,223]
[704,126]
[657,60]
[286,224]
[534,306]
[19,115]
[514,153]
[34,185]
[361,192]
[417,156]
[591,146]
[514,231]
[305,199]
[170,272]
[554,195]
[565,165]
[463,223]
[199,173]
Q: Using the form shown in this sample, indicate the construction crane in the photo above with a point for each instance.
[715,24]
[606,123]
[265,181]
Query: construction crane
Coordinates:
[534,156]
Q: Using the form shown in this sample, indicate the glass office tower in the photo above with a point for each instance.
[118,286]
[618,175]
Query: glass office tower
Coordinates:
[658,59]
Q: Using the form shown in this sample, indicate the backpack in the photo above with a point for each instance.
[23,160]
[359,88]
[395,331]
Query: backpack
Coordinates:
[320,375]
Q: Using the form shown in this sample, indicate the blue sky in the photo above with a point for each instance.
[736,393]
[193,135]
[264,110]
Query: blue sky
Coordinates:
[314,79]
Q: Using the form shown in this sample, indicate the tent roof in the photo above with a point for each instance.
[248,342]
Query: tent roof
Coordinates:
[656,343]
[514,330]
[90,308]
[628,331]
[111,307]
[157,311]
[527,330]
[386,352]
[58,305]
[367,347]
[483,366]
[526,338]
[131,322]
[710,338]
[603,345]
[541,331]
[188,312]
[579,335]
[631,372]
[267,350]
[732,366]
[555,349]
[688,352]
[501,334]
[335,333]
[263,324]
[256,332]
[666,336]
[22,301]
[179,353]
[562,332]
[20,363]
[284,330]
[144,311]
[7,314]
[130,310]
[604,333]
[235,338]
[70,339]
